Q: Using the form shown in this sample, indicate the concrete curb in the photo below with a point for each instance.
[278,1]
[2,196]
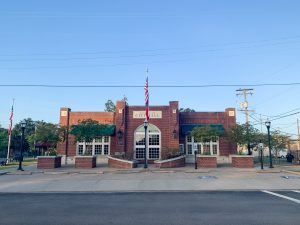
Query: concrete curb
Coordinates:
[291,172]
[268,171]
[19,173]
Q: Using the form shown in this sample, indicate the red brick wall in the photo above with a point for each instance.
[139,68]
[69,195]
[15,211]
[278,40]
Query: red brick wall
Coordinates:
[48,162]
[72,118]
[225,147]
[85,162]
[176,162]
[166,124]
[207,162]
[115,163]
[124,121]
[242,162]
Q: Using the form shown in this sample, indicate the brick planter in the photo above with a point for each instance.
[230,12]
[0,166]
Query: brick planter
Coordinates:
[48,162]
[207,161]
[242,161]
[121,163]
[170,163]
[85,162]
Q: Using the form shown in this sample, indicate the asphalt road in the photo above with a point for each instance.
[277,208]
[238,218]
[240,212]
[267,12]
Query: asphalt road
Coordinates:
[155,208]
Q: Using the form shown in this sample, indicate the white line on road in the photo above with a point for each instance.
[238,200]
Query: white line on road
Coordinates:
[296,191]
[282,196]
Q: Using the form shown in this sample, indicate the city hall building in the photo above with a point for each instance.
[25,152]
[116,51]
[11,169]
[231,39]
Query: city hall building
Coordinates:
[168,132]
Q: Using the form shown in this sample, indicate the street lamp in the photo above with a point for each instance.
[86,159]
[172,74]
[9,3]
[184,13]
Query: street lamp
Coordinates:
[23,124]
[268,125]
[145,159]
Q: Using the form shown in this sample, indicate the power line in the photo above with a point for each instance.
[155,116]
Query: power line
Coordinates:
[153,86]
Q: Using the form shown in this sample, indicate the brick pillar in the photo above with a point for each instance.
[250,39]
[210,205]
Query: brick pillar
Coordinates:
[120,122]
[230,115]
[173,127]
[64,121]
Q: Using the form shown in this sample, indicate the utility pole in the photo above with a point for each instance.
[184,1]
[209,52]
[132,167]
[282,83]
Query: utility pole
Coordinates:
[244,107]
[298,135]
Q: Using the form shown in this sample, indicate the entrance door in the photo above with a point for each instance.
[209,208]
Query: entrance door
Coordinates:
[153,142]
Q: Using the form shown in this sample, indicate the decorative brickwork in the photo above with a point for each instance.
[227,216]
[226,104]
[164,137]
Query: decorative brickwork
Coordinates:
[48,162]
[85,162]
[171,163]
[242,161]
[207,161]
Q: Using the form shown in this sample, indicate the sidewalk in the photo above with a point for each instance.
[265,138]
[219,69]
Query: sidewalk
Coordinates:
[104,179]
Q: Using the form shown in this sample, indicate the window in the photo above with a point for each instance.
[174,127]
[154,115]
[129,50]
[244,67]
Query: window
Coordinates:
[215,149]
[140,139]
[190,149]
[181,148]
[211,147]
[153,153]
[98,149]
[106,149]
[99,146]
[153,142]
[153,139]
[80,149]
[140,153]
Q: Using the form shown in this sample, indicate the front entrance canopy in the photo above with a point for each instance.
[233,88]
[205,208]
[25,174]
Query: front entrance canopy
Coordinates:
[185,129]
[93,129]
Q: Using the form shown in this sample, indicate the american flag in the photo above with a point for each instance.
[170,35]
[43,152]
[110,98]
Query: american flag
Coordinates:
[10,120]
[147,99]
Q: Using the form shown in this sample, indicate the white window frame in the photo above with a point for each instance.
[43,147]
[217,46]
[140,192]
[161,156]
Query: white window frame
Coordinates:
[142,133]
[94,143]
[200,144]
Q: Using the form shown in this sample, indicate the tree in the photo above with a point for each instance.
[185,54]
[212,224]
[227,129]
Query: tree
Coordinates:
[16,134]
[46,135]
[110,106]
[87,130]
[243,135]
[186,110]
[204,134]
[3,142]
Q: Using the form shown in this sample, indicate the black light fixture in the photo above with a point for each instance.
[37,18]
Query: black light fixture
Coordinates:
[145,158]
[174,133]
[23,124]
[268,125]
[120,134]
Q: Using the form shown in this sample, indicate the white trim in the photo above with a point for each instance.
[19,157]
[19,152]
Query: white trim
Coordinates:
[120,160]
[169,160]
[282,196]
[201,144]
[94,143]
[148,146]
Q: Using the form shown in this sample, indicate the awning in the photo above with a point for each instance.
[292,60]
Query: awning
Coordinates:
[107,130]
[187,128]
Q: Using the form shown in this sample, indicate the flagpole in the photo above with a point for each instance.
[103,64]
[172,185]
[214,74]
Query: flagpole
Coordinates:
[10,128]
[146,123]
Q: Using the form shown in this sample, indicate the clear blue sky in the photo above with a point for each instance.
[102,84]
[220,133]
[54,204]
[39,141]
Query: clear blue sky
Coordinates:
[92,42]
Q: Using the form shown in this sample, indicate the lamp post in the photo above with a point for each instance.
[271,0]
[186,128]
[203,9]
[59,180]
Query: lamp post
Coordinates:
[23,124]
[268,125]
[145,159]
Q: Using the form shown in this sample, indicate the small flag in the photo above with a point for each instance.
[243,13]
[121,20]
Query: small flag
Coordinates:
[10,120]
[147,98]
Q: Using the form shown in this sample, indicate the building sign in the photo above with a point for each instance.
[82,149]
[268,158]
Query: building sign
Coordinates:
[64,113]
[142,114]
[231,113]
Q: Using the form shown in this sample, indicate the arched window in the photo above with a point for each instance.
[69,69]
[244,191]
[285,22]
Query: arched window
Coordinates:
[153,142]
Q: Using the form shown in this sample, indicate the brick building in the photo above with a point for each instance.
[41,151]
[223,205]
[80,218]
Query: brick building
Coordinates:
[168,132]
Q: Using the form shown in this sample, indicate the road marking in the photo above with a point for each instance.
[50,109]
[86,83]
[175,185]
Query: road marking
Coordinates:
[282,196]
[296,191]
